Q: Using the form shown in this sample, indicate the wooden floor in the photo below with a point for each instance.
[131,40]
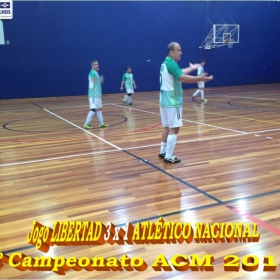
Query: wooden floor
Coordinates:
[53,170]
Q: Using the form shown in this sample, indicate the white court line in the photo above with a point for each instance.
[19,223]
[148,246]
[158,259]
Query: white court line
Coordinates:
[114,104]
[107,142]
[55,158]
[185,141]
[60,107]
[118,148]
[214,126]
[63,107]
[249,97]
[269,130]
[109,151]
[241,132]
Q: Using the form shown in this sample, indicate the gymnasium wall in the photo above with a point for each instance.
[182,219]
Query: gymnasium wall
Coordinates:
[49,44]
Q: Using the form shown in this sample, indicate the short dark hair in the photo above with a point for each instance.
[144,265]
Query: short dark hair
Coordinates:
[127,67]
[202,60]
[93,61]
[171,46]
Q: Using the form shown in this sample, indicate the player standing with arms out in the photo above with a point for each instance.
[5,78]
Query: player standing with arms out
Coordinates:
[171,99]
[94,95]
[201,84]
[129,83]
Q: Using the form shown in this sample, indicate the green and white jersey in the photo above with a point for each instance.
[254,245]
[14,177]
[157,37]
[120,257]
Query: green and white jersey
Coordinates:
[94,84]
[171,91]
[128,80]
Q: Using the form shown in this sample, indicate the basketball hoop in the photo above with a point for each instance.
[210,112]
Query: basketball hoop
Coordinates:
[230,43]
[221,35]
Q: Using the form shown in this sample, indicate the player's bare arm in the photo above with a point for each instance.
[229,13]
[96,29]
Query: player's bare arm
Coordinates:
[191,68]
[102,79]
[193,79]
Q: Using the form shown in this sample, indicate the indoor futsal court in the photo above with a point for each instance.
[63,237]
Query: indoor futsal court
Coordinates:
[54,170]
[94,199]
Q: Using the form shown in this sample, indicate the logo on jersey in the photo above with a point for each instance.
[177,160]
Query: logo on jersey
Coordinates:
[6,10]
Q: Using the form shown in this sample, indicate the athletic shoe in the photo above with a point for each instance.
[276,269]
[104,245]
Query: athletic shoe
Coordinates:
[193,99]
[173,159]
[103,125]
[161,155]
[130,104]
[204,100]
[87,126]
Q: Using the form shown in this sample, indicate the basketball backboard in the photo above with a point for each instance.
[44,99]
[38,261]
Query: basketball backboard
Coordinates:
[221,35]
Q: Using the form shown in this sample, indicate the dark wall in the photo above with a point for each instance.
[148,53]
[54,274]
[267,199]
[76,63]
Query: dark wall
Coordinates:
[52,44]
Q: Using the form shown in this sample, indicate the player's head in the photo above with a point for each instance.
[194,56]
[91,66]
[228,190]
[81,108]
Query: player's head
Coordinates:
[202,62]
[174,51]
[95,65]
[128,69]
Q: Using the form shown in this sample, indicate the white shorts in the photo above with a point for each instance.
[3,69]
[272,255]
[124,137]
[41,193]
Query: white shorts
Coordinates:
[95,102]
[129,90]
[201,84]
[171,117]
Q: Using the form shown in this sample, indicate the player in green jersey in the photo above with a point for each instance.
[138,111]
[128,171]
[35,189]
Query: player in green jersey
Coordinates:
[171,98]
[94,95]
[130,85]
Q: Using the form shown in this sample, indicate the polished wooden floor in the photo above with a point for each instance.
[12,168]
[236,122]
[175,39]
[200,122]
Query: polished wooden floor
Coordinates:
[53,170]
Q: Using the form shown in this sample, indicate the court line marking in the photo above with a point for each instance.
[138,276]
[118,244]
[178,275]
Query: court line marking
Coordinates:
[253,104]
[90,133]
[249,97]
[118,148]
[22,110]
[238,117]
[218,127]
[261,131]
[254,219]
[187,141]
[233,130]
[223,114]
[219,202]
[52,108]
[197,208]
[55,158]
[101,152]
[174,177]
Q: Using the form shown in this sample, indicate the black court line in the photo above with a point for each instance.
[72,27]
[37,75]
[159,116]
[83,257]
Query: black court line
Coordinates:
[125,118]
[174,177]
[37,105]
[202,207]
[48,131]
